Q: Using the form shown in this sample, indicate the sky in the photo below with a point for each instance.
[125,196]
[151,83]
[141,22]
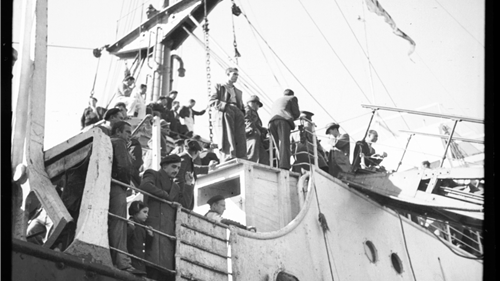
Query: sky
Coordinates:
[319,48]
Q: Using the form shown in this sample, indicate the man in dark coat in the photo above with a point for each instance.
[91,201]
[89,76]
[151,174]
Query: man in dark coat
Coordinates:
[304,147]
[338,157]
[161,215]
[187,113]
[228,118]
[284,111]
[189,170]
[255,133]
[122,170]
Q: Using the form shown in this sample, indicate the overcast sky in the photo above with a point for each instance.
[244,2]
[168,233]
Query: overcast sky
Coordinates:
[319,49]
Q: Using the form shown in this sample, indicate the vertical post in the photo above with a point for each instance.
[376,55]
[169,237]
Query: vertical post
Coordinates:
[448,233]
[404,152]
[156,151]
[158,59]
[479,244]
[448,143]
[166,68]
[271,147]
[315,144]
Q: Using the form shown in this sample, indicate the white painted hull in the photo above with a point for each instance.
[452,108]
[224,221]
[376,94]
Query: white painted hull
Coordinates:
[302,250]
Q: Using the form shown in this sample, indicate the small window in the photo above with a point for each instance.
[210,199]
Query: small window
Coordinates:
[283,276]
[370,251]
[396,263]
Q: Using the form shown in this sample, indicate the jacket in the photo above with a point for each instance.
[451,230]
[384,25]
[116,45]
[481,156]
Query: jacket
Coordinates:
[285,108]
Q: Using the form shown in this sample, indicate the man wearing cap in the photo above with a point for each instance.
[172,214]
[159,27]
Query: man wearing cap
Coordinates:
[284,111]
[217,207]
[162,215]
[132,100]
[189,170]
[111,117]
[338,157]
[122,170]
[304,150]
[255,133]
[228,118]
[97,110]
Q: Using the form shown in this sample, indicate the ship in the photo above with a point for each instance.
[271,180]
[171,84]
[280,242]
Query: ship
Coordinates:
[359,224]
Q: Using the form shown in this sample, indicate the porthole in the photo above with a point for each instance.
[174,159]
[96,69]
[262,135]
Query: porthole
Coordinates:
[370,251]
[396,263]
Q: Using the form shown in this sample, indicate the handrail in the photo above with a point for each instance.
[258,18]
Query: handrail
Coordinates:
[143,226]
[143,121]
[423,113]
[443,136]
[143,260]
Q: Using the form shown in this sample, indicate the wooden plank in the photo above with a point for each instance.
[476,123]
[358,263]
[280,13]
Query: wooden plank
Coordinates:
[68,161]
[202,240]
[196,223]
[189,270]
[66,145]
[92,226]
[38,178]
[202,257]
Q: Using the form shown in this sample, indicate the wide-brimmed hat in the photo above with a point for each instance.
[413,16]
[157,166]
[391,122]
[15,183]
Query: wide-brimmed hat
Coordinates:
[214,199]
[255,99]
[331,125]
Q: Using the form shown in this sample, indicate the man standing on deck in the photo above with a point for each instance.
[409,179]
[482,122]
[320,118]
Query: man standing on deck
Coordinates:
[111,117]
[338,158]
[161,214]
[284,111]
[122,170]
[187,113]
[228,118]
[189,170]
[255,133]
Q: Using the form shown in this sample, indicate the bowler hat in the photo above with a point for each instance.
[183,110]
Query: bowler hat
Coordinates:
[172,158]
[331,125]
[256,99]
[214,199]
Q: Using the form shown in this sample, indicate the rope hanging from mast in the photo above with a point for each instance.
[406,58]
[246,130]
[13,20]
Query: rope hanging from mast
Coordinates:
[207,56]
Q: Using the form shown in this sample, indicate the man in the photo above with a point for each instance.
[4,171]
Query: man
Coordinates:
[304,148]
[338,158]
[175,123]
[284,111]
[228,118]
[170,99]
[162,215]
[97,110]
[123,109]
[122,170]
[255,133]
[189,170]
[365,155]
[187,113]
[178,147]
[131,100]
[207,154]
[111,117]
[217,207]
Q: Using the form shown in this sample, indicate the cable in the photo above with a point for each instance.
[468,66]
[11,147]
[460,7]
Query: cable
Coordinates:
[459,23]
[406,246]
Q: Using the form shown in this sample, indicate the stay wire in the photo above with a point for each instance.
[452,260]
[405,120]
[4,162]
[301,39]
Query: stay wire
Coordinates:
[295,77]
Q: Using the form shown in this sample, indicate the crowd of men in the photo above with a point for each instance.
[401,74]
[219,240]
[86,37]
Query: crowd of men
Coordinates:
[239,133]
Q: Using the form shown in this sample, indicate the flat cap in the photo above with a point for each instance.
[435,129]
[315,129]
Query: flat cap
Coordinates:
[179,142]
[331,125]
[110,112]
[172,158]
[214,199]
